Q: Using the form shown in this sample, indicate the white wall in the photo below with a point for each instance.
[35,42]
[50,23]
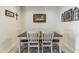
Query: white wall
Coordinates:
[70,30]
[51,18]
[9,28]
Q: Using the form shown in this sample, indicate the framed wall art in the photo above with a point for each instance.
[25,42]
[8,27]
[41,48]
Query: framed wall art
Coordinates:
[76,14]
[62,17]
[39,18]
[9,13]
[68,15]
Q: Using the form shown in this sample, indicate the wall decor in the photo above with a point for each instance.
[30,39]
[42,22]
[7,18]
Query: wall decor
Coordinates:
[76,14]
[68,15]
[16,16]
[39,18]
[62,17]
[9,13]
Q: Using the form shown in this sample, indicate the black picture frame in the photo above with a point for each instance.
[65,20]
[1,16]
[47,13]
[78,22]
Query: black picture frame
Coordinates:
[68,15]
[39,18]
[9,13]
[62,17]
[76,14]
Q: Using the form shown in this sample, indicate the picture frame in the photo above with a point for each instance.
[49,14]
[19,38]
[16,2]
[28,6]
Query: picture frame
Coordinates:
[62,17]
[68,15]
[9,13]
[76,14]
[39,18]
